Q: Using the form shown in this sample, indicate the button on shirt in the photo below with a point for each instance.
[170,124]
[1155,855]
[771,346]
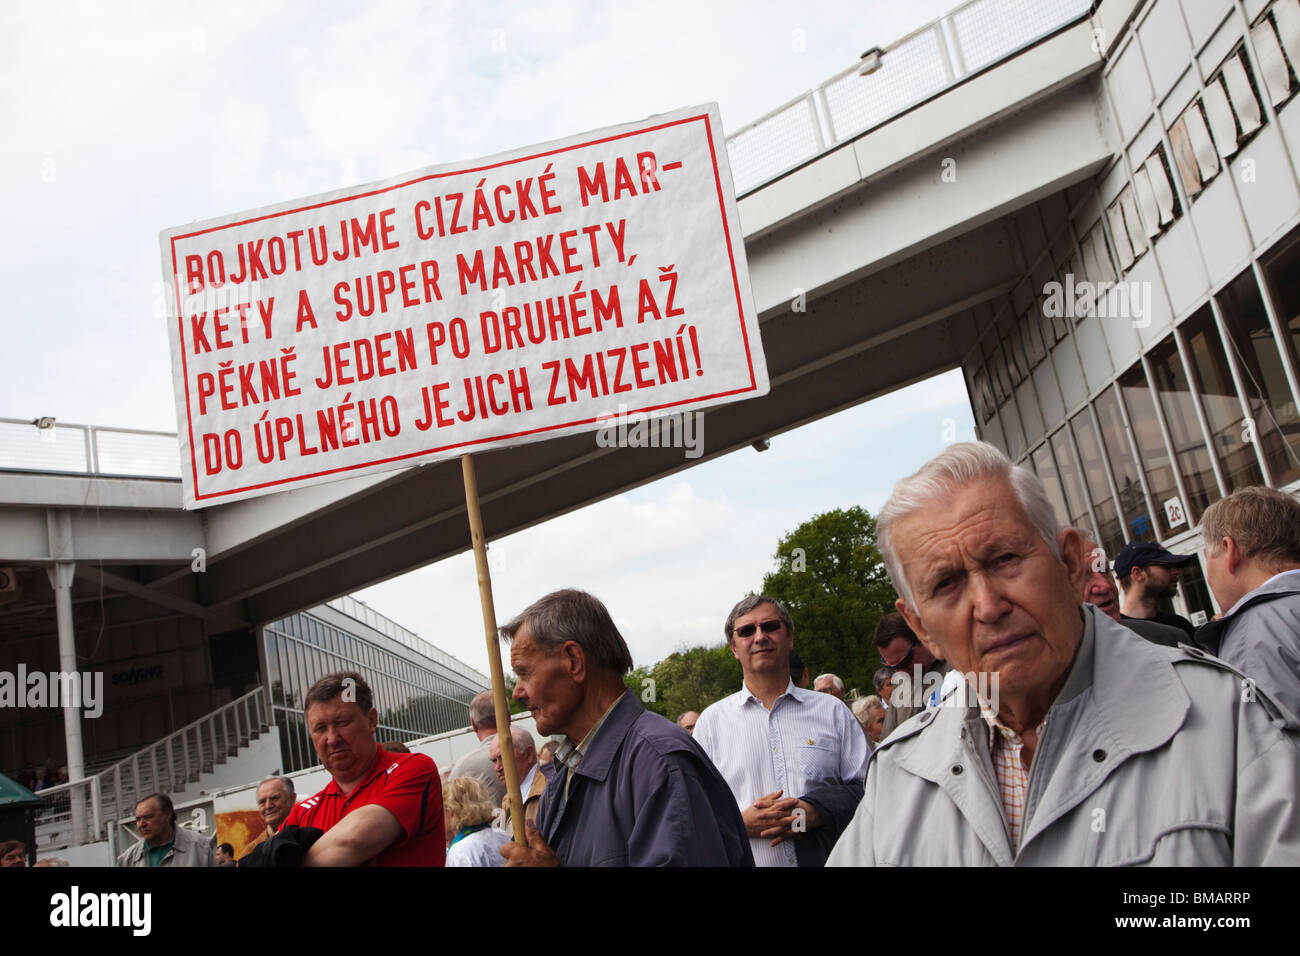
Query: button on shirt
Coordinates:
[806,739]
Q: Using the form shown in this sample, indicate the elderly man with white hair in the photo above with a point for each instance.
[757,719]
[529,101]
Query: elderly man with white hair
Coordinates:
[1084,747]
[531,783]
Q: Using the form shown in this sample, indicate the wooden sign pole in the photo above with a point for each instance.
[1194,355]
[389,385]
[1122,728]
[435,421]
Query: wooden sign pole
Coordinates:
[504,740]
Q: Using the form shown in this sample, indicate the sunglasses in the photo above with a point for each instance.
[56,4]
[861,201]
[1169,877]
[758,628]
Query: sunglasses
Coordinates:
[748,630]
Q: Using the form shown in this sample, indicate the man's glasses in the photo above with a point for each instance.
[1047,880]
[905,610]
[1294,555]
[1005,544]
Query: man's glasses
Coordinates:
[902,663]
[747,630]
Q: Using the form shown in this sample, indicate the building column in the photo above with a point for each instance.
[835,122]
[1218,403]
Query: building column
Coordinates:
[60,575]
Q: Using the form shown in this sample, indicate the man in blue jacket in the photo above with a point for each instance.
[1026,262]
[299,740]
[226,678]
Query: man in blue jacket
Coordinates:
[626,787]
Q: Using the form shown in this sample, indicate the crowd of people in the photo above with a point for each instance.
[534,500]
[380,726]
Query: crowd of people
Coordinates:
[1026,715]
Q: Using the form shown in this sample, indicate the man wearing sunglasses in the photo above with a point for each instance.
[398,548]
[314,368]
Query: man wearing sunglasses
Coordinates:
[916,671]
[793,758]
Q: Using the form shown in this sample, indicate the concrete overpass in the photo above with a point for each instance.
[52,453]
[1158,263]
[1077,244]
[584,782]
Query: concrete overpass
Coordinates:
[876,244]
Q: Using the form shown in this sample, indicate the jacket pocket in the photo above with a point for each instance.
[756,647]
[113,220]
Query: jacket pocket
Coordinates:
[1191,843]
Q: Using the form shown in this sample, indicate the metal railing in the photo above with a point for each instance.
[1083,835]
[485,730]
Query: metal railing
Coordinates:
[969,38]
[74,813]
[88,449]
[347,604]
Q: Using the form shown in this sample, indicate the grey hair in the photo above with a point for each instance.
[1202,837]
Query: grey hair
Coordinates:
[521,741]
[957,465]
[747,604]
[482,710]
[572,615]
[1264,522]
[288,785]
[882,677]
[839,684]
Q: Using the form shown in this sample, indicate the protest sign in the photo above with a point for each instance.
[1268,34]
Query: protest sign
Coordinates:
[459,308]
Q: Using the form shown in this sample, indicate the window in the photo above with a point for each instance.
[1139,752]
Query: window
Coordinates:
[1151,447]
[1111,535]
[1273,418]
[1129,243]
[1229,436]
[1045,468]
[1179,408]
[1156,168]
[1075,503]
[1231,106]
[1279,76]
[1192,583]
[1132,502]
[1194,153]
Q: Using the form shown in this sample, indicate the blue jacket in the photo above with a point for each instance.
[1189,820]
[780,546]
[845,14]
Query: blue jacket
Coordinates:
[644,794]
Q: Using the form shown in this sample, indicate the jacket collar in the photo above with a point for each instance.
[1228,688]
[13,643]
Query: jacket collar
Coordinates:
[1120,698]
[1210,635]
[599,755]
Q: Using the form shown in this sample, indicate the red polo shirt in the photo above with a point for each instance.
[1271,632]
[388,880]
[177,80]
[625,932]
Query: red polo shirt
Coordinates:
[408,786]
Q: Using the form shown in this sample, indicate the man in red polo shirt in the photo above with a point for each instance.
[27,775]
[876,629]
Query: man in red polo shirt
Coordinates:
[381,808]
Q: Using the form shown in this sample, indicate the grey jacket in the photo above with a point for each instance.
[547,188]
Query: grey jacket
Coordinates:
[1150,756]
[188,849]
[1262,640]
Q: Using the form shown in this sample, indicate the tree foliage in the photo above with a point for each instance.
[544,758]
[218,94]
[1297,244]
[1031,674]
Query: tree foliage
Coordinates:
[830,576]
[694,678]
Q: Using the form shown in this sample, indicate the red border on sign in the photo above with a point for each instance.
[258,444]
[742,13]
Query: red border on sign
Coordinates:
[731,258]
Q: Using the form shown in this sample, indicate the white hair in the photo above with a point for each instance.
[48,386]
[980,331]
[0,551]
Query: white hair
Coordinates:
[835,681]
[864,704]
[958,465]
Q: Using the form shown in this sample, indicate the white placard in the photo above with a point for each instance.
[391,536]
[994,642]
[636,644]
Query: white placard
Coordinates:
[542,292]
[1174,512]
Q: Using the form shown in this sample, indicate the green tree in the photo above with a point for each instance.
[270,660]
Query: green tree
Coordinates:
[830,576]
[641,681]
[516,707]
[693,678]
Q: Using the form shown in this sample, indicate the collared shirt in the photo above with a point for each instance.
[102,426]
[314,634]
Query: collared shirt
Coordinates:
[643,794]
[570,754]
[807,739]
[1007,750]
[408,787]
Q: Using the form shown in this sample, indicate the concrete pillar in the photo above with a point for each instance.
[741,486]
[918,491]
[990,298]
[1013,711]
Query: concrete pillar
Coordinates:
[61,574]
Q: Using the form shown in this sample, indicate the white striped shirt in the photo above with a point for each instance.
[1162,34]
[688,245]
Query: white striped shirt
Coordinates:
[807,738]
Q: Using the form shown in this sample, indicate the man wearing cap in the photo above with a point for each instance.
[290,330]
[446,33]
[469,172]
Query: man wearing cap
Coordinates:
[1100,591]
[1149,574]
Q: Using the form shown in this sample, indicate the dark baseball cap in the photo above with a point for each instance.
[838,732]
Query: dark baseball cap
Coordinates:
[1139,554]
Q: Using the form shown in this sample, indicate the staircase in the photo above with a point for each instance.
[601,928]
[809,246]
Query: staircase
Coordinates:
[80,812]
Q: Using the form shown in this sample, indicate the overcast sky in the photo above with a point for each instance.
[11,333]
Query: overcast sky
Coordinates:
[120,120]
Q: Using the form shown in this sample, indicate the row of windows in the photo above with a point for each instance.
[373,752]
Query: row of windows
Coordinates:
[372,656]
[412,700]
[1209,132]
[1209,409]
